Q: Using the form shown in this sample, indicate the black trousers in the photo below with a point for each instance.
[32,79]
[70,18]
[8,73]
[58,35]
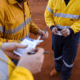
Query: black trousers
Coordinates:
[65,49]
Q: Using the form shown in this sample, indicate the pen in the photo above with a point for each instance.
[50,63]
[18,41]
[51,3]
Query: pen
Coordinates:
[46,29]
[33,52]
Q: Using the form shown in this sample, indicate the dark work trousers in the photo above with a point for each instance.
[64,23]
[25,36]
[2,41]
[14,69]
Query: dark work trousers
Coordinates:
[65,49]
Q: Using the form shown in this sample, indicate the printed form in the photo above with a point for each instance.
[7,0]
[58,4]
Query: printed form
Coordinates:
[31,45]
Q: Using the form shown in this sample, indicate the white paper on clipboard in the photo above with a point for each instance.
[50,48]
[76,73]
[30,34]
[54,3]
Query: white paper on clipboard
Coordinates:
[31,45]
[59,33]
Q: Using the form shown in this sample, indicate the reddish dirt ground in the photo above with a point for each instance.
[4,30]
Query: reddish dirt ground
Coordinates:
[38,8]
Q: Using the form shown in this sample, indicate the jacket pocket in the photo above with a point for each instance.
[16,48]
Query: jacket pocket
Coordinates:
[11,26]
[55,10]
[75,11]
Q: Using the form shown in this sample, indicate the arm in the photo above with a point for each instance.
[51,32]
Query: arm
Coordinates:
[49,18]
[33,28]
[8,49]
[76,26]
[21,73]
[49,15]
[23,70]
[27,63]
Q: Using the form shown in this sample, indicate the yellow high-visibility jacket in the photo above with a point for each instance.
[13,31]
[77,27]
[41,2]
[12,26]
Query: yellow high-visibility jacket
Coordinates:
[15,23]
[62,16]
[8,70]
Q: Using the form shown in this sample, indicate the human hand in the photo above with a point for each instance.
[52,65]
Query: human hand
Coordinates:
[8,49]
[55,31]
[32,62]
[43,34]
[65,32]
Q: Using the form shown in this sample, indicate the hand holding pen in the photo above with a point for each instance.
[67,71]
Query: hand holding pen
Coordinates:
[32,62]
[43,34]
[34,51]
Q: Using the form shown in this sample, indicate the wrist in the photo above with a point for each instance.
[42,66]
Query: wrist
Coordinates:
[39,31]
[71,31]
[52,27]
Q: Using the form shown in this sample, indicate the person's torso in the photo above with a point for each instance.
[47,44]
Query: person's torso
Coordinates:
[16,20]
[66,15]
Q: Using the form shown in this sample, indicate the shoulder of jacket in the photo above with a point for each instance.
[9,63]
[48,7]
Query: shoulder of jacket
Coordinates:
[3,3]
[52,1]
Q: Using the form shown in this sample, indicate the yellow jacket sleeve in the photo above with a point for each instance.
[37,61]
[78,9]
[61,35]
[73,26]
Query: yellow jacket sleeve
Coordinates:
[33,28]
[49,19]
[20,73]
[76,26]
[0,44]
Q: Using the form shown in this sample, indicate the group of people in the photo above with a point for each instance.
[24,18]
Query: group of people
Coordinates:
[15,24]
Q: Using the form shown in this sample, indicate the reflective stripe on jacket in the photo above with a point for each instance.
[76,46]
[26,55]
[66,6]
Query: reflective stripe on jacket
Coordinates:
[15,23]
[8,71]
[62,16]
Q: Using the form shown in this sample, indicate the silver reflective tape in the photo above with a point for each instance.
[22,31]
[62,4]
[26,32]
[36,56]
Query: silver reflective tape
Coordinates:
[1,29]
[13,31]
[66,15]
[24,37]
[3,67]
[61,27]
[49,9]
[2,56]
[58,58]
[67,65]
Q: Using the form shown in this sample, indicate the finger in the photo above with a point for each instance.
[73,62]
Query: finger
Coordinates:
[30,50]
[42,33]
[63,33]
[63,30]
[40,69]
[20,45]
[56,30]
[39,51]
[11,55]
[66,35]
[47,34]
[44,36]
[55,33]
[16,57]
[42,59]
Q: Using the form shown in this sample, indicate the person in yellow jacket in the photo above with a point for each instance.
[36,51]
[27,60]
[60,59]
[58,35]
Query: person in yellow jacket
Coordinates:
[63,18]
[26,65]
[15,21]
